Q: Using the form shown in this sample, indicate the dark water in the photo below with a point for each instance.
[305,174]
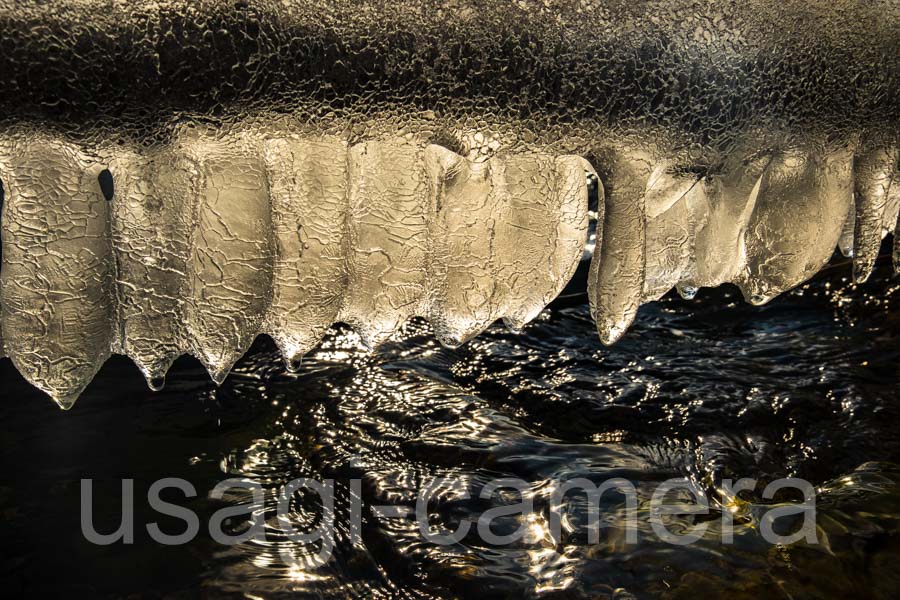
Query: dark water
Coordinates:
[706,389]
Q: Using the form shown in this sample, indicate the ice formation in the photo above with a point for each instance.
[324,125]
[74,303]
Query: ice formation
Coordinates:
[213,239]
[180,176]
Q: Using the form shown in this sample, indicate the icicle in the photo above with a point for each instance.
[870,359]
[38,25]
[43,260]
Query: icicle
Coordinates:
[57,288]
[570,187]
[719,253]
[616,277]
[672,203]
[873,169]
[796,221]
[151,241]
[540,235]
[845,242]
[308,187]
[463,262]
[506,235]
[230,266]
[525,236]
[387,237]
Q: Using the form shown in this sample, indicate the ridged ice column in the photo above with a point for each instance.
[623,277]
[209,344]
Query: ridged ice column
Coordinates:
[57,286]
[215,237]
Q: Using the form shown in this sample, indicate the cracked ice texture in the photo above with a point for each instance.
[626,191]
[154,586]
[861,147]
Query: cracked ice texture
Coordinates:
[57,286]
[218,237]
[736,142]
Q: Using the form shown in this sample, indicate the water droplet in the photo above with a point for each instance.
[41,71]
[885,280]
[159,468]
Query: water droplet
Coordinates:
[688,292]
[65,402]
[758,299]
[450,341]
[293,363]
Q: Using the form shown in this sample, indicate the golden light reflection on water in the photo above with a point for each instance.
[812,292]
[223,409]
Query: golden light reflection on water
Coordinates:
[541,407]
[300,574]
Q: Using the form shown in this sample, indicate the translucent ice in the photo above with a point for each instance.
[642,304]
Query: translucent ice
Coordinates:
[890,178]
[308,188]
[151,240]
[231,255]
[719,245]
[280,165]
[616,278]
[796,221]
[507,236]
[461,275]
[57,285]
[387,237]
[676,208]
[874,171]
[214,237]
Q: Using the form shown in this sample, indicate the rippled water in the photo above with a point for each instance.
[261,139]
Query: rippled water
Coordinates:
[708,389]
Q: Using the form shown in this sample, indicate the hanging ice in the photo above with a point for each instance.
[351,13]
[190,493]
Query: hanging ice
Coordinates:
[616,280]
[796,221]
[282,165]
[874,173]
[216,237]
[308,189]
[56,290]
